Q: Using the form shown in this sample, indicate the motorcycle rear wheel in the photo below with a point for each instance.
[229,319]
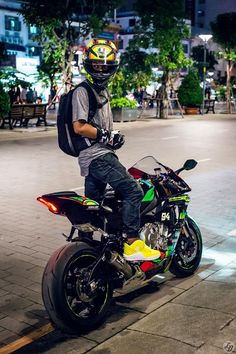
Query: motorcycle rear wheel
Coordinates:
[188,251]
[72,305]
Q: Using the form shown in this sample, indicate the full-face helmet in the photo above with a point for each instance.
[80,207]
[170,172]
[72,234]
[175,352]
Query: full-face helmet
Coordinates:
[101,60]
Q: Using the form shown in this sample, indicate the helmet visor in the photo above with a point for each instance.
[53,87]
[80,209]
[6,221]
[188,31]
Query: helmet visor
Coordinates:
[100,70]
[104,68]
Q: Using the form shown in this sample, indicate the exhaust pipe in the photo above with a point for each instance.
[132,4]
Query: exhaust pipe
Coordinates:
[119,263]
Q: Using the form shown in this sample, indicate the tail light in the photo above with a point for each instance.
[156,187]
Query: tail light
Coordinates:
[51,207]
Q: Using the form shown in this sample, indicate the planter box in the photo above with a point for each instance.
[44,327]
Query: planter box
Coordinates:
[191,110]
[124,114]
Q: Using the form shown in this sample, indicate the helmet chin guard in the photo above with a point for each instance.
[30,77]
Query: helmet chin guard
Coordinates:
[101,61]
[100,85]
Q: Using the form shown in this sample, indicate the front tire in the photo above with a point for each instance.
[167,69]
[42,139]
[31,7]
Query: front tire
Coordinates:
[72,303]
[188,251]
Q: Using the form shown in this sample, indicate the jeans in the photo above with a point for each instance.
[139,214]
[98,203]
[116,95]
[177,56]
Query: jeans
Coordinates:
[107,169]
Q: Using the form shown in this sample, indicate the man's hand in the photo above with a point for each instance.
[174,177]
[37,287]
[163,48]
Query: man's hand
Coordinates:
[103,136]
[116,140]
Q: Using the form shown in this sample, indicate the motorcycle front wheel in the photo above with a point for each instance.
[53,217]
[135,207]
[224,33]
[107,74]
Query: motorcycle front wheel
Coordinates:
[188,251]
[76,294]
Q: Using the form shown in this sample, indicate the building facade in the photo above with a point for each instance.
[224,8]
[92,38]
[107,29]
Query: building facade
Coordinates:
[23,53]
[127,19]
[203,12]
[17,36]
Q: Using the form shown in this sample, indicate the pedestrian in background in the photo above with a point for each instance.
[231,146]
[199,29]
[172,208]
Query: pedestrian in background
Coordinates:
[29,95]
[12,94]
[23,94]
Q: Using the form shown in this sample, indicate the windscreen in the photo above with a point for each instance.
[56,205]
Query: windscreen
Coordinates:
[147,165]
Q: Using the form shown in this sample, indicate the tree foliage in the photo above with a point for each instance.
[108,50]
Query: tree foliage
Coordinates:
[4,102]
[135,71]
[224,33]
[116,85]
[56,21]
[190,92]
[136,68]
[162,26]
[198,58]
[10,77]
[49,69]
[224,30]
[3,51]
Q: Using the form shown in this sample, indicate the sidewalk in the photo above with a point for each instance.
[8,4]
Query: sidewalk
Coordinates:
[150,114]
[194,315]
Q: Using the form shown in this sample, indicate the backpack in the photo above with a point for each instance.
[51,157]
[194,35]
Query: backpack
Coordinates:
[70,142]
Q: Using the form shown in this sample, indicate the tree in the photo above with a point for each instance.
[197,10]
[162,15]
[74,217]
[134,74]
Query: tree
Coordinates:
[162,26]
[136,68]
[3,51]
[224,33]
[4,102]
[48,70]
[55,20]
[9,76]
[190,92]
[198,56]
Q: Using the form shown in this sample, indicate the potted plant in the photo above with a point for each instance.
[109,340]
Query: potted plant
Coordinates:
[190,93]
[124,109]
[4,104]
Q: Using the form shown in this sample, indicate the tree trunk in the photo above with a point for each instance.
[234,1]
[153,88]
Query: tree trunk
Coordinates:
[163,97]
[67,71]
[228,88]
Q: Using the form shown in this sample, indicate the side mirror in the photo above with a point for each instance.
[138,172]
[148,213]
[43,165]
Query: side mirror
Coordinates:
[190,164]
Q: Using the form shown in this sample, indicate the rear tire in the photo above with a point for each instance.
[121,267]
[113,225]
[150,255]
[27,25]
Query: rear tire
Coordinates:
[69,306]
[188,251]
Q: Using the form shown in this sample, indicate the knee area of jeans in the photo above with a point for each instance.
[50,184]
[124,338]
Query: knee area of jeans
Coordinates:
[139,191]
[140,194]
[136,194]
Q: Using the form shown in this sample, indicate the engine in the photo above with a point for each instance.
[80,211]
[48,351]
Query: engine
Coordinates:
[155,235]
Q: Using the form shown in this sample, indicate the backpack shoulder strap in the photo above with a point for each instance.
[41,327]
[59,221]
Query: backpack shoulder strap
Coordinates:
[93,104]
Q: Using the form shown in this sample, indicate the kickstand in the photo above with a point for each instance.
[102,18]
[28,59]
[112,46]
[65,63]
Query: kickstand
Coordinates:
[72,231]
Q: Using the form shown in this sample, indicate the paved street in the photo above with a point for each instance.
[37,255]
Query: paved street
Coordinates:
[195,315]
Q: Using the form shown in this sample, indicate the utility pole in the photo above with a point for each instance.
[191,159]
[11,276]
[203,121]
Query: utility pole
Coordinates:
[205,38]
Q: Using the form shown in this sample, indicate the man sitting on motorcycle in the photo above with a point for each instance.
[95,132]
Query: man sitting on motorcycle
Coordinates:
[99,162]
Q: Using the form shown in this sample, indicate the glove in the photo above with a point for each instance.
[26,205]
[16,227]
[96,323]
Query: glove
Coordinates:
[103,136]
[116,140]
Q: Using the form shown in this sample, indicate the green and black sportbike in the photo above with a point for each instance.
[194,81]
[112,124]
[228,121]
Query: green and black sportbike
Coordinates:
[80,277]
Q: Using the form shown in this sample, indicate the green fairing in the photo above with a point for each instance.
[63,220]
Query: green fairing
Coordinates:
[182,215]
[186,198]
[77,198]
[85,201]
[170,250]
[149,196]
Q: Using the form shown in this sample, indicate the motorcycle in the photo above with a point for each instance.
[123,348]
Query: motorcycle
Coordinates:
[80,277]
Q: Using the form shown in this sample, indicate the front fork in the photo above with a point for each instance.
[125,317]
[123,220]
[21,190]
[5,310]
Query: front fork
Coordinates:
[181,216]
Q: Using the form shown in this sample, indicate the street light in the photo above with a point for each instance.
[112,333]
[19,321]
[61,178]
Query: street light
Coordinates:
[205,38]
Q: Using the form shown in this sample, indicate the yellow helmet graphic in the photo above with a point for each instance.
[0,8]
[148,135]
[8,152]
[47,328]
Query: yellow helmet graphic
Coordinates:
[101,59]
